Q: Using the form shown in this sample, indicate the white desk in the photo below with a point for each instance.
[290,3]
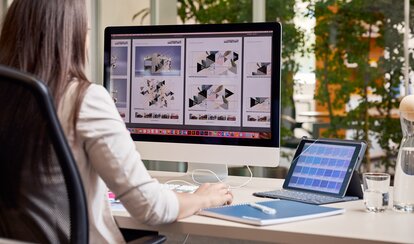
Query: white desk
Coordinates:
[355,226]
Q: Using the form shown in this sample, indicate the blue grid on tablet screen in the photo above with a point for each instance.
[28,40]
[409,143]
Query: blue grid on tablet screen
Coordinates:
[322,167]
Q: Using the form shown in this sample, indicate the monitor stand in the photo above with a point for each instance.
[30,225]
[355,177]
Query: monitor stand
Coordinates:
[203,173]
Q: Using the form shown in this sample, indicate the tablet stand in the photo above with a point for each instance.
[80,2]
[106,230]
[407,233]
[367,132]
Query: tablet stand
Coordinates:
[354,187]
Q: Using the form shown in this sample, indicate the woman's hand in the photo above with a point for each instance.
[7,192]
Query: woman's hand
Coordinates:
[215,194]
[207,195]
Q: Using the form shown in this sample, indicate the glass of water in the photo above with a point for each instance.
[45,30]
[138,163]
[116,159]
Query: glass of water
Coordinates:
[376,191]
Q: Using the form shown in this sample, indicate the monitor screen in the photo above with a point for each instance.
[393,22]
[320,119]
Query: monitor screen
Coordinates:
[198,91]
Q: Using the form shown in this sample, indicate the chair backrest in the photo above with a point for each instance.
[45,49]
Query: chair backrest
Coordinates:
[37,202]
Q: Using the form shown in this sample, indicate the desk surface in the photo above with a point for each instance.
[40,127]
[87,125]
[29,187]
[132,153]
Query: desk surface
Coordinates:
[356,225]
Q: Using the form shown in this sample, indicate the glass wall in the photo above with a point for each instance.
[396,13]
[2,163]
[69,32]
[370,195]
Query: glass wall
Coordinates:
[343,60]
[360,66]
[343,64]
[343,67]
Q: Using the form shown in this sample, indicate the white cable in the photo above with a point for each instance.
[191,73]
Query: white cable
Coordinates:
[186,237]
[182,181]
[218,178]
[204,170]
[215,175]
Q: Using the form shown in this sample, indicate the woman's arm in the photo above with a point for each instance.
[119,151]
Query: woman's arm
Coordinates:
[112,154]
[207,195]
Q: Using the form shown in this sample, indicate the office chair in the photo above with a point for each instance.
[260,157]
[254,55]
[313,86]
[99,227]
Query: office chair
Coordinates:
[28,119]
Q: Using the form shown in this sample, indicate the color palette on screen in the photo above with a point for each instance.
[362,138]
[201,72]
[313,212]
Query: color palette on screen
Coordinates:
[322,167]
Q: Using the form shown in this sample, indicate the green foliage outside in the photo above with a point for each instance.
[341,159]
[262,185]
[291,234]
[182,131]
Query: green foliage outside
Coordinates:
[344,36]
[347,32]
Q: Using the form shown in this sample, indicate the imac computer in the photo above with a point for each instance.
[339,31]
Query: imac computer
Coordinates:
[208,95]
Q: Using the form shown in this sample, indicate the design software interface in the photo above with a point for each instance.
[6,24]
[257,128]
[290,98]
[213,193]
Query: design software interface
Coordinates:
[209,84]
[322,167]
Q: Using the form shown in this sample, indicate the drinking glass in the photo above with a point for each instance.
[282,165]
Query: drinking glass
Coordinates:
[376,191]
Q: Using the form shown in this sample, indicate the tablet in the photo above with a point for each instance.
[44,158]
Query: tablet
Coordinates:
[324,166]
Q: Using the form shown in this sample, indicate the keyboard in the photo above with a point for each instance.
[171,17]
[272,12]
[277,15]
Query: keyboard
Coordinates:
[180,187]
[305,197]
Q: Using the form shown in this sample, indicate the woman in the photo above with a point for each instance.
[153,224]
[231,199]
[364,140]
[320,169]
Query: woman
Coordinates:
[47,38]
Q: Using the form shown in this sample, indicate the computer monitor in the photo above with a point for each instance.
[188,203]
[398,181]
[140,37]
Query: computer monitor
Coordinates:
[205,94]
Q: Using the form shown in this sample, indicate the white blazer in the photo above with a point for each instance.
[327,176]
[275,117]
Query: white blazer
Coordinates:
[107,158]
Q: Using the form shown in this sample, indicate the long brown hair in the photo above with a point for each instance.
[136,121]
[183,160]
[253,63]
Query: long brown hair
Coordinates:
[46,38]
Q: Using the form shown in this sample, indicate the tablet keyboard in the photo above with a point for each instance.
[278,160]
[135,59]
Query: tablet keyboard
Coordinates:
[305,197]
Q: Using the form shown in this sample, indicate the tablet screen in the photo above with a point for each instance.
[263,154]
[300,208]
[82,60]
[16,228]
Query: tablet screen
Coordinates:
[323,166]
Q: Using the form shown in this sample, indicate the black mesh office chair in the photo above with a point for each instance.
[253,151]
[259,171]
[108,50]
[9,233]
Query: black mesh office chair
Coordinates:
[27,121]
[48,203]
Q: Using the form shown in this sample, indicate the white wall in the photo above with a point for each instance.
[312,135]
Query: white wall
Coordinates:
[91,38]
[121,12]
[110,13]
[1,12]
[3,8]
[163,12]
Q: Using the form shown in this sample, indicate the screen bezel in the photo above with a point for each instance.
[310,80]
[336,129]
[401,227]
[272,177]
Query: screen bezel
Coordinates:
[355,160]
[275,27]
